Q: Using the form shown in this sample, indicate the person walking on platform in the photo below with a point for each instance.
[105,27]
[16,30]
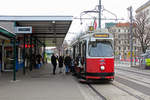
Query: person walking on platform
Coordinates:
[54,63]
[60,60]
[67,63]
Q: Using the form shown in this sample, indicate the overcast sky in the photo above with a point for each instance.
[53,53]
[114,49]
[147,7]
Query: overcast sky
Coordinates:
[63,7]
[67,7]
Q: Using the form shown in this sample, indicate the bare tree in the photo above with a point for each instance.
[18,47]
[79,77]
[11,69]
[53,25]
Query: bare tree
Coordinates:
[142,30]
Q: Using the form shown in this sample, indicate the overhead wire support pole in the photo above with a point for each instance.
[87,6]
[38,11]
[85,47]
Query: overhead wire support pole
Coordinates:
[30,53]
[14,63]
[131,34]
[24,54]
[99,7]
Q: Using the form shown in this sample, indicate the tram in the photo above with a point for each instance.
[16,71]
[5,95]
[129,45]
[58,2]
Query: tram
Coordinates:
[94,56]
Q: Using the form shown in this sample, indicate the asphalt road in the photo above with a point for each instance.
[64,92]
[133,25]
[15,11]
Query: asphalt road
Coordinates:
[129,84]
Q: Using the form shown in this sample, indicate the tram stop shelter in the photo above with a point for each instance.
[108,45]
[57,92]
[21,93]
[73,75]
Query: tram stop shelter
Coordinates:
[5,35]
[33,34]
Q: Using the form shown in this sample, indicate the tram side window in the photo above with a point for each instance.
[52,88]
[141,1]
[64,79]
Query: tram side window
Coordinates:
[100,49]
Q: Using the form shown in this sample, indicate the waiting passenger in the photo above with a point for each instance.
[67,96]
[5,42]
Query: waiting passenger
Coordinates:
[60,60]
[54,63]
[67,63]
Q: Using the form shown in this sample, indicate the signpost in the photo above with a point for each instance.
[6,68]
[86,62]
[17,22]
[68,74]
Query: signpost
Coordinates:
[23,30]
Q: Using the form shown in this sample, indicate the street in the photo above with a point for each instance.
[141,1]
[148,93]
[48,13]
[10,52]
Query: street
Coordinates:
[129,84]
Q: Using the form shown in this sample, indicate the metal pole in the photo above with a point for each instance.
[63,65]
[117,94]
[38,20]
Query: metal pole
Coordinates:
[3,41]
[24,51]
[35,46]
[34,52]
[44,55]
[14,68]
[99,13]
[131,34]
[31,53]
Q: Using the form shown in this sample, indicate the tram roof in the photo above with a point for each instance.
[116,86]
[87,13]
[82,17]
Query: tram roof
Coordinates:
[98,31]
[89,34]
[50,30]
[5,34]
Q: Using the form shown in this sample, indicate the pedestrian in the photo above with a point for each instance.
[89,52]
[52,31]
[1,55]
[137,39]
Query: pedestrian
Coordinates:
[39,57]
[60,60]
[73,66]
[0,61]
[34,60]
[54,63]
[67,63]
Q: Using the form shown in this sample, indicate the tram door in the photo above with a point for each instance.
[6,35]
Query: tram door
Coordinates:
[83,54]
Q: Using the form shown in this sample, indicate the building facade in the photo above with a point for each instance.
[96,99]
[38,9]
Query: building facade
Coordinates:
[144,8]
[122,41]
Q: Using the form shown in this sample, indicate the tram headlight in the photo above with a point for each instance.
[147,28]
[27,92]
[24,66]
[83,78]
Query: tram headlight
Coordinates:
[102,67]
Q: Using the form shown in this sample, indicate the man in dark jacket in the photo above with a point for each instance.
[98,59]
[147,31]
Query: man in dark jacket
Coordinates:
[54,63]
[67,63]
[60,60]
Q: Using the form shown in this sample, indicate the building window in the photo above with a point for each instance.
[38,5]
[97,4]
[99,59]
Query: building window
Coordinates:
[126,36]
[119,48]
[124,48]
[119,36]
[135,41]
[124,42]
[147,11]
[116,35]
[125,30]
[114,30]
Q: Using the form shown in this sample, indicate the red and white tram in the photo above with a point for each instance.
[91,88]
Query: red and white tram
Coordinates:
[94,55]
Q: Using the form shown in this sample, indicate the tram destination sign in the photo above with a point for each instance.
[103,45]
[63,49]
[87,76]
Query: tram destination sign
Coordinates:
[23,30]
[101,35]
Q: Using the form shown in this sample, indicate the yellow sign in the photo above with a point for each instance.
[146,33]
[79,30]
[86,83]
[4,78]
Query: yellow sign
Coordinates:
[102,35]
[129,53]
[91,28]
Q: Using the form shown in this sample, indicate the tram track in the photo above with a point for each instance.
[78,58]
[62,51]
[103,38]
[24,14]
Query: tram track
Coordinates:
[118,87]
[131,94]
[134,82]
[134,85]
[133,72]
[100,95]
[95,91]
[134,79]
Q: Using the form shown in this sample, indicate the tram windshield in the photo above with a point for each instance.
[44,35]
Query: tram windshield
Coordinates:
[100,49]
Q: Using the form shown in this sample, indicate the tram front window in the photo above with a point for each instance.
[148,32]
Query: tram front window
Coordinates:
[100,49]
